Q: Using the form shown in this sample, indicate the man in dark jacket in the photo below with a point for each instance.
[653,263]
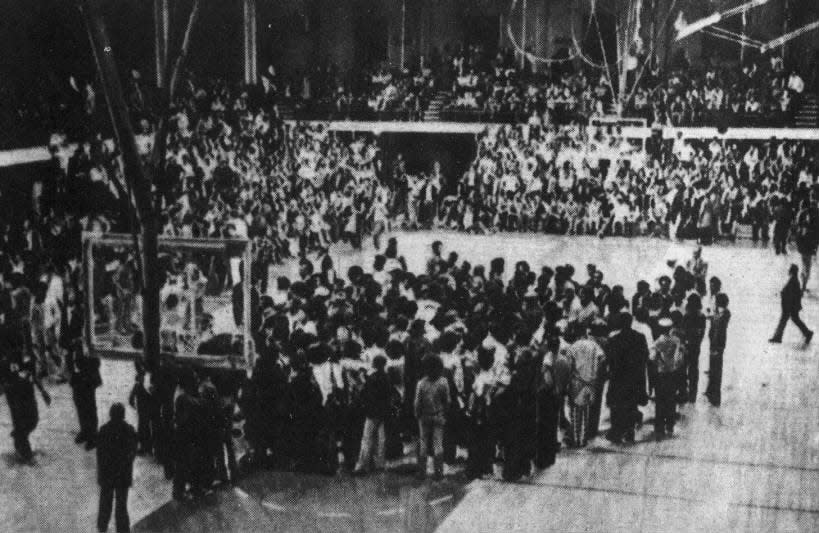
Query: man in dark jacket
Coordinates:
[783,218]
[807,237]
[116,449]
[18,376]
[85,379]
[717,336]
[375,398]
[626,353]
[71,331]
[83,371]
[416,348]
[791,305]
[188,439]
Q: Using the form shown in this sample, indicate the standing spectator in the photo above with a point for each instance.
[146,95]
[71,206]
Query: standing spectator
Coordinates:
[123,281]
[116,451]
[783,219]
[19,378]
[626,355]
[667,355]
[83,370]
[142,399]
[375,399]
[717,336]
[85,379]
[807,237]
[693,331]
[481,447]
[520,439]
[705,220]
[226,471]
[53,306]
[188,440]
[431,404]
[211,412]
[791,305]
[588,364]
[699,269]
[416,349]
[305,416]
[556,372]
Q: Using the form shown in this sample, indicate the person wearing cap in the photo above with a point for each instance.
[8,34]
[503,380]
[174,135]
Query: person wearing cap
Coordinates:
[626,357]
[791,295]
[375,402]
[668,357]
[717,336]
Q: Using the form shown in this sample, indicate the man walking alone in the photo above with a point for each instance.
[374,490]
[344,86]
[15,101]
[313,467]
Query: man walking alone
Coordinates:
[791,305]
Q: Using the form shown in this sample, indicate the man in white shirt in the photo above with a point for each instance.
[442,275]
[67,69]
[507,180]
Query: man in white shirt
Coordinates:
[588,358]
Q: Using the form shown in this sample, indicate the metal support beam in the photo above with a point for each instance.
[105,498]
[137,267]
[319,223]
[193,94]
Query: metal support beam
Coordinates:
[250,41]
[162,17]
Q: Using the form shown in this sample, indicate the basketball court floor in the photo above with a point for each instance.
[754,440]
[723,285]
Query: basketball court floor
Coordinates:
[751,465]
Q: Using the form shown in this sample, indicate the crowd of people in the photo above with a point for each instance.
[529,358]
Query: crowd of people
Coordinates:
[761,93]
[460,358]
[498,89]
[473,83]
[591,181]
[354,370]
[381,93]
[458,362]
[234,168]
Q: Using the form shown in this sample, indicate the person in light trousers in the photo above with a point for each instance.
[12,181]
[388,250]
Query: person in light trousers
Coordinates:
[375,398]
[431,404]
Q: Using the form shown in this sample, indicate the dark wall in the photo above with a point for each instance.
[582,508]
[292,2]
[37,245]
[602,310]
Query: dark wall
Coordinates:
[420,150]
[15,189]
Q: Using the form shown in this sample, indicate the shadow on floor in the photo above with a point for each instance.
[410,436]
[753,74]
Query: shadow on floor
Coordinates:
[284,501]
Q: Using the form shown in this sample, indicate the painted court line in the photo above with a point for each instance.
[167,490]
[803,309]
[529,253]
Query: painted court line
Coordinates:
[442,499]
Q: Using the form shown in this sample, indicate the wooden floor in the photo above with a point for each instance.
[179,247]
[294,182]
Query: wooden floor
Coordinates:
[288,502]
